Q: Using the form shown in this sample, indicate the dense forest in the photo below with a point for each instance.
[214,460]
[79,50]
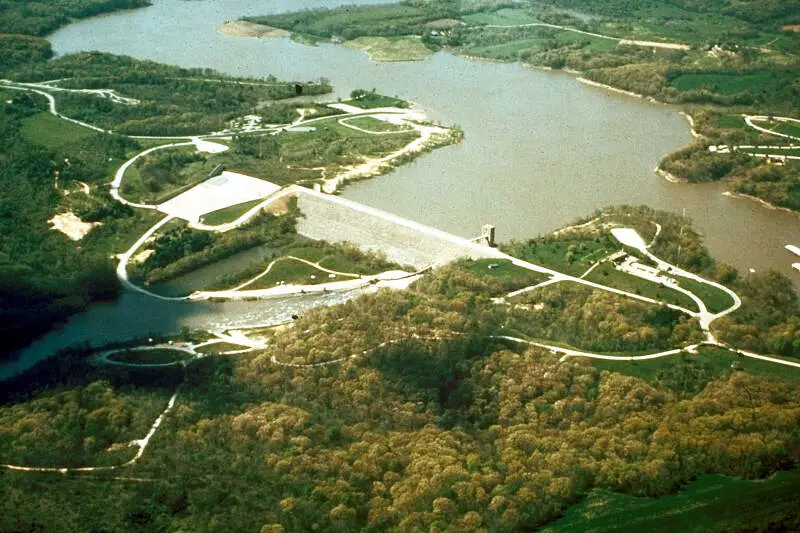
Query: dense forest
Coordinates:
[446,430]
[40,17]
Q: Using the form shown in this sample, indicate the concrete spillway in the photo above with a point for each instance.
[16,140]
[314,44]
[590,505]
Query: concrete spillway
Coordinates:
[403,241]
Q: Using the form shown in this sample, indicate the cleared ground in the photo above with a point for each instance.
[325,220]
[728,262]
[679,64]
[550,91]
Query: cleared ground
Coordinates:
[226,190]
[387,49]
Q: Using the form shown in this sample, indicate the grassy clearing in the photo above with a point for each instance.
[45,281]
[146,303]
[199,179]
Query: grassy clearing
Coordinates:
[733,122]
[788,129]
[715,299]
[725,84]
[505,270]
[715,362]
[390,49]
[711,503]
[228,214]
[149,357]
[375,125]
[607,274]
[570,256]
[587,42]
[292,272]
[46,130]
[507,50]
[501,17]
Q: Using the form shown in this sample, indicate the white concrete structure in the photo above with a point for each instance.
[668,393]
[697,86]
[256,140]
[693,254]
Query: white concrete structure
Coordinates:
[219,192]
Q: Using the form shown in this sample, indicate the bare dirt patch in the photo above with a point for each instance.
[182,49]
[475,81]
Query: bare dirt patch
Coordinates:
[242,28]
[791,27]
[70,225]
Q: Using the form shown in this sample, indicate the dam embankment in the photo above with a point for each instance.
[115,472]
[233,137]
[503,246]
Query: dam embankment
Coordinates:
[335,219]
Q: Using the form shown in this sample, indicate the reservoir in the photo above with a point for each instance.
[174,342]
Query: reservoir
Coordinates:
[540,149]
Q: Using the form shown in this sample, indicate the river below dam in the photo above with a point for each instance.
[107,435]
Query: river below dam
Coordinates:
[540,149]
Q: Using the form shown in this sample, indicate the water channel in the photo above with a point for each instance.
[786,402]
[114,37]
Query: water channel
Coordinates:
[540,149]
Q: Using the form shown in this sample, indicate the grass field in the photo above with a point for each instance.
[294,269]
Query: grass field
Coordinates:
[731,122]
[389,49]
[715,299]
[717,360]
[712,503]
[290,271]
[606,274]
[380,126]
[228,214]
[46,130]
[571,256]
[724,84]
[501,17]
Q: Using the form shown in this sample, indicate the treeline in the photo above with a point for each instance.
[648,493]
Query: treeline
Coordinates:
[778,185]
[16,50]
[769,319]
[40,17]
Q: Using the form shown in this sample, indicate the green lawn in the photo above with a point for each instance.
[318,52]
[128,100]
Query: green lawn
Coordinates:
[715,299]
[712,503]
[505,270]
[290,271]
[229,214]
[731,122]
[724,84]
[717,361]
[570,256]
[375,125]
[46,130]
[606,274]
[501,17]
[788,128]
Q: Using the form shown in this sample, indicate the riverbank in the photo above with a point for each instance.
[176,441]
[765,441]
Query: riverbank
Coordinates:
[763,203]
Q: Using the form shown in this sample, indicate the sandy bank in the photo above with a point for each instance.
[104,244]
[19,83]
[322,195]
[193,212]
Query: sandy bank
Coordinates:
[242,28]
[763,202]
